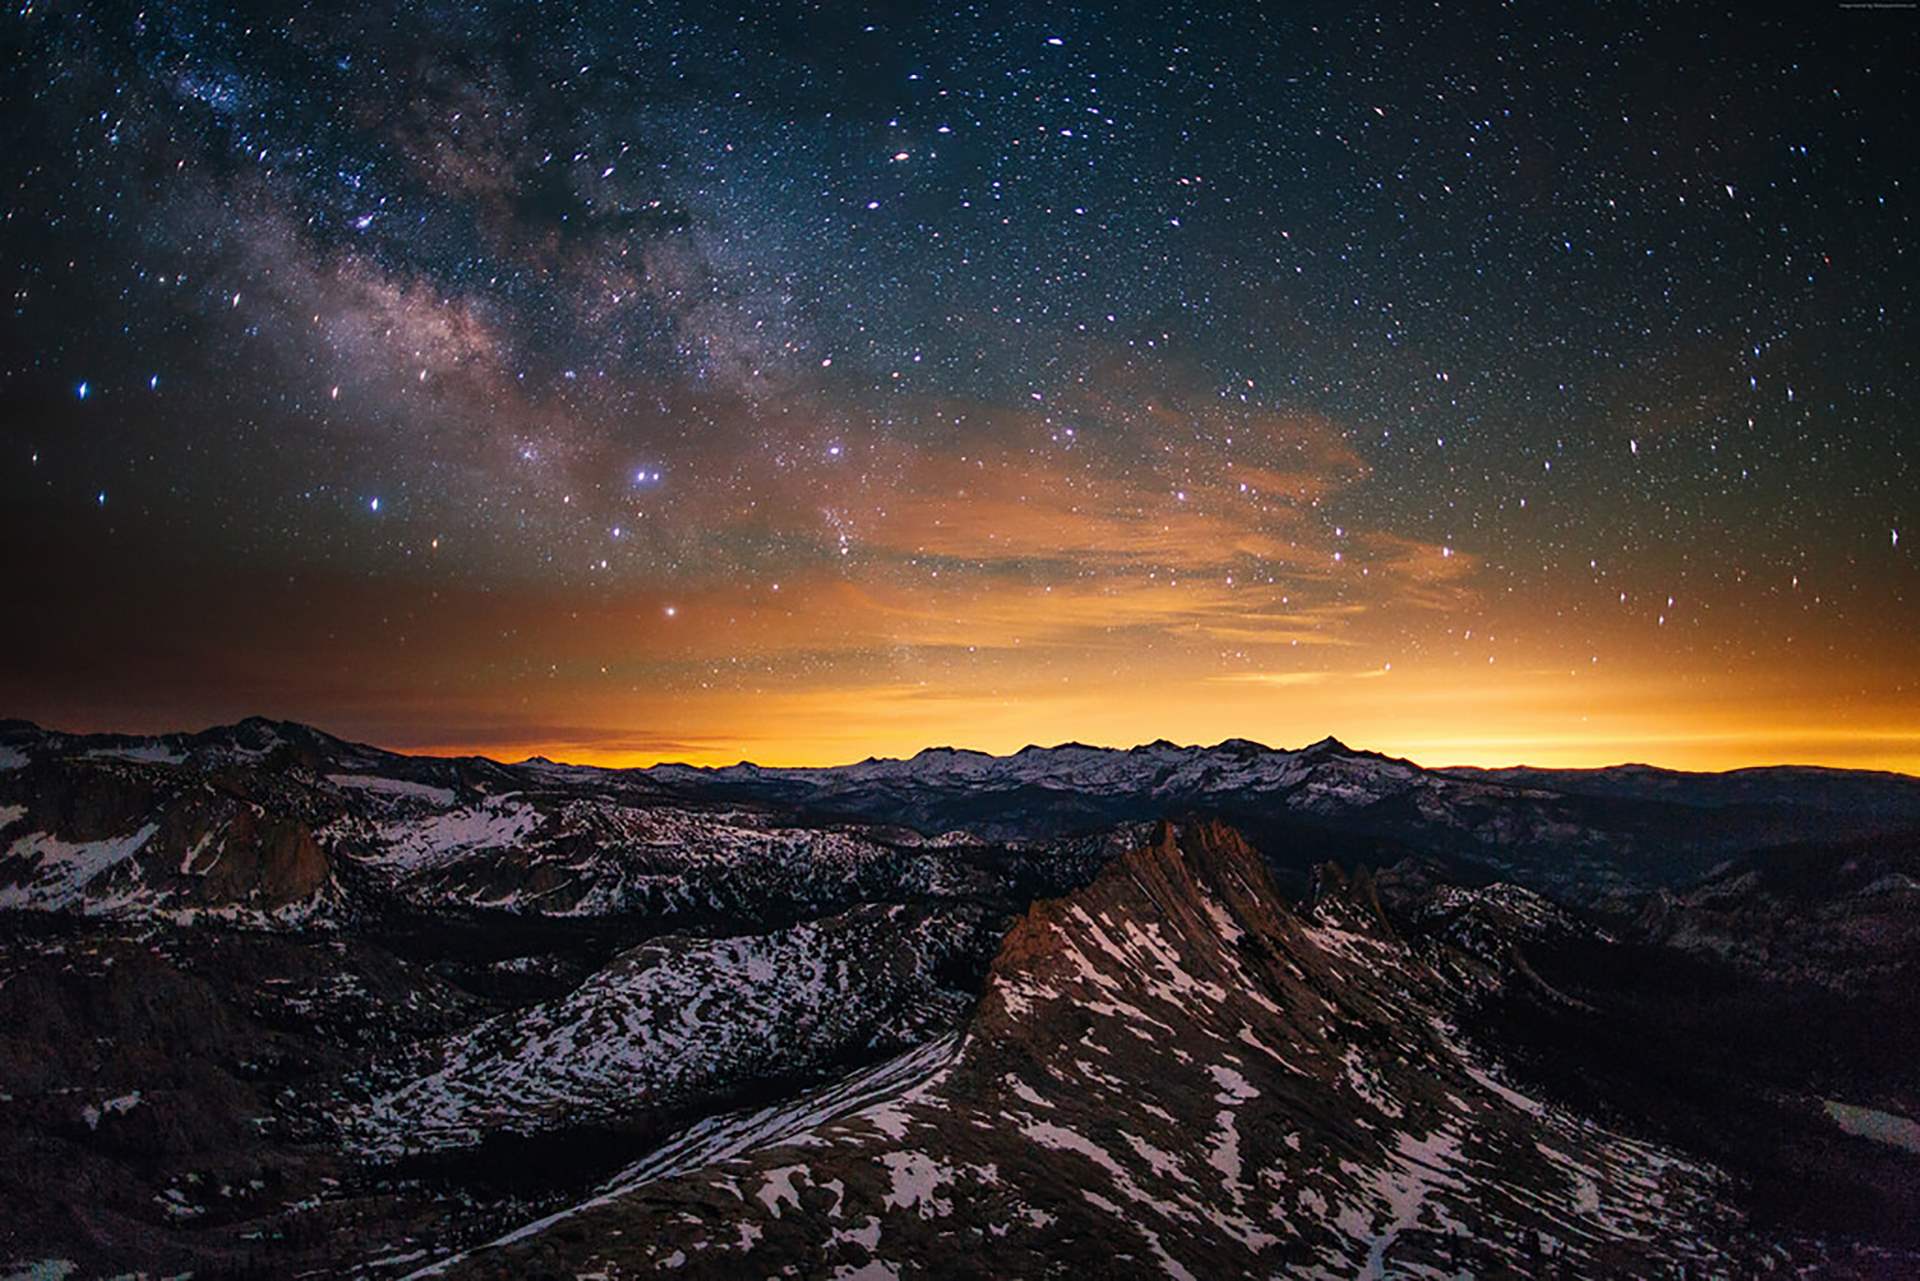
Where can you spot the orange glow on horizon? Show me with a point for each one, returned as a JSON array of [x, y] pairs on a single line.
[[1435, 720], [1002, 587]]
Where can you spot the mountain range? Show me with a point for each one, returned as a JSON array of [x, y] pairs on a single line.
[[273, 1004]]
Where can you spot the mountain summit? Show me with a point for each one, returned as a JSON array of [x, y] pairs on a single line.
[[1173, 1063]]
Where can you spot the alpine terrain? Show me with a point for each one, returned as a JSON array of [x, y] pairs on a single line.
[[273, 1004]]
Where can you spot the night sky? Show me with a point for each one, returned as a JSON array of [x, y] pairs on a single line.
[[637, 381]]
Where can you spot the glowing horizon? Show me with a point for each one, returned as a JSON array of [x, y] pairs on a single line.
[[893, 728], [1895, 762]]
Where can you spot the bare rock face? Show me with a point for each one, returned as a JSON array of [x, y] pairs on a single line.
[[139, 833], [1170, 1074], [273, 863]]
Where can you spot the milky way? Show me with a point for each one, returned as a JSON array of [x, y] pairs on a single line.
[[626, 381]]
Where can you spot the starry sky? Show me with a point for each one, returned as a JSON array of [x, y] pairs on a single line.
[[625, 382]]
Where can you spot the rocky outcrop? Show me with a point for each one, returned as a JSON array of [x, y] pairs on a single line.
[[1171, 1073]]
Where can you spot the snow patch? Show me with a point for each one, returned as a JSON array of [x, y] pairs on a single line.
[[62, 870], [440, 797], [917, 1178], [1871, 1123]]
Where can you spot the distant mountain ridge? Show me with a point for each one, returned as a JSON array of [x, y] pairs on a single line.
[[1074, 762], [1883, 793], [1580, 834]]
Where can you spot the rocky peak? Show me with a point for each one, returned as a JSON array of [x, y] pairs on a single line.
[[1183, 873], [1351, 901], [1170, 1063], [1175, 909]]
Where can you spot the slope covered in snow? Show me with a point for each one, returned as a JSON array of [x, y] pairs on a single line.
[[682, 1024], [1173, 1064]]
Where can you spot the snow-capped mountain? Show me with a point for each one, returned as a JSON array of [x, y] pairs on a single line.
[[1580, 834], [273, 1003], [277, 825], [682, 1026], [1173, 1064], [266, 822]]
